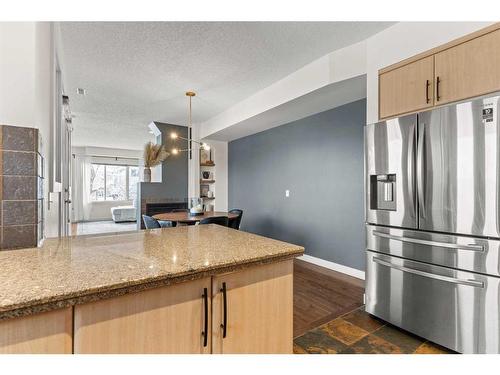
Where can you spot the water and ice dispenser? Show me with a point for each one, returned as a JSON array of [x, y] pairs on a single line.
[[383, 192]]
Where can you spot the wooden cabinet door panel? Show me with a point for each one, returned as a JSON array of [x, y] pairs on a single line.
[[259, 310], [44, 333], [469, 69], [163, 320], [406, 89]]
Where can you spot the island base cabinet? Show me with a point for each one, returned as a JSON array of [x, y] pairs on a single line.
[[168, 319], [44, 333], [258, 309]]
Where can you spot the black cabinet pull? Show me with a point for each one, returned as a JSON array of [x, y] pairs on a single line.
[[224, 302], [437, 88], [427, 84], [205, 323]]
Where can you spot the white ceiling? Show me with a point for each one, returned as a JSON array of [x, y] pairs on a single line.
[[138, 72]]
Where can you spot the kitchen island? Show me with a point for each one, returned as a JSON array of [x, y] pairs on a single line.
[[194, 289]]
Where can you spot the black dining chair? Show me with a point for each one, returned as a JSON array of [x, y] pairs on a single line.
[[152, 223], [235, 222], [219, 220]]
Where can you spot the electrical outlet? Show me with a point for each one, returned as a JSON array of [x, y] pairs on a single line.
[[287, 193]]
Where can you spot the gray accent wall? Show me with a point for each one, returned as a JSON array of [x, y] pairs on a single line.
[[320, 160], [174, 182], [174, 185]]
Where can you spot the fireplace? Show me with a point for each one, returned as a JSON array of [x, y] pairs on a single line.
[[161, 207]]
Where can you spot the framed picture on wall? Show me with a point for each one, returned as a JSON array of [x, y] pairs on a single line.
[[206, 157], [204, 190]]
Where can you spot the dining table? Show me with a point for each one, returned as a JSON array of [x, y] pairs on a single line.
[[186, 218]]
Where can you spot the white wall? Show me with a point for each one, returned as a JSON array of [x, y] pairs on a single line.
[[26, 88], [17, 73], [403, 40], [44, 95]]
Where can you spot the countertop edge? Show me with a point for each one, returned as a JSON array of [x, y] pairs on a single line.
[[141, 285]]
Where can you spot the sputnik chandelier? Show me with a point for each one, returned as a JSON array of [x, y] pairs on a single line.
[[190, 140]]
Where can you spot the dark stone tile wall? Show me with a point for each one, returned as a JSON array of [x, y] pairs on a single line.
[[21, 184]]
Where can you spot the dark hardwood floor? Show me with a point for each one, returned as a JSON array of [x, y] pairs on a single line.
[[321, 295]]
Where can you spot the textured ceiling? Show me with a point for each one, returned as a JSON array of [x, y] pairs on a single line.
[[138, 72]]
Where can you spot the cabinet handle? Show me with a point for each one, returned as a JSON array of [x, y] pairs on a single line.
[[427, 84], [224, 302], [437, 88], [205, 323]]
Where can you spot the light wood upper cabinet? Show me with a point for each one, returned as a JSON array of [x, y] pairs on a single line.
[[469, 69], [45, 333], [407, 88], [259, 310], [461, 69], [169, 319]]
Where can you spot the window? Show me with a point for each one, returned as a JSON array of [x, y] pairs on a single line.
[[113, 182], [133, 179]]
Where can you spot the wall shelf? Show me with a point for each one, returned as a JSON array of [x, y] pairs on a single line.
[[207, 185]]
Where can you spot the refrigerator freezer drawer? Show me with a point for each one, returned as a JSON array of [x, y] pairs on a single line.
[[456, 309], [465, 253]]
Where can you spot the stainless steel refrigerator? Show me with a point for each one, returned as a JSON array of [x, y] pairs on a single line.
[[432, 188]]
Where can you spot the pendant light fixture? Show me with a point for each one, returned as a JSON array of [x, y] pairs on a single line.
[[190, 140]]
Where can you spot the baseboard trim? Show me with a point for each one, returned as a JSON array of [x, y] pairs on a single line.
[[334, 266]]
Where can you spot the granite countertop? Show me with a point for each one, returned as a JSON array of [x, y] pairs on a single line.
[[79, 269]]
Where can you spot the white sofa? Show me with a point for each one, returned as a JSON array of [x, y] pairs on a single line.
[[123, 213]]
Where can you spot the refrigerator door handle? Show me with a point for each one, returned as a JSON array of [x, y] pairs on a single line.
[[474, 283], [411, 171], [420, 169], [469, 247]]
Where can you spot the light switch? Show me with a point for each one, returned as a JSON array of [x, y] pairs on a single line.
[[287, 193]]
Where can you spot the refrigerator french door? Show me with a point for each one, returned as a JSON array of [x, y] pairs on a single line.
[[433, 227], [458, 168], [390, 172]]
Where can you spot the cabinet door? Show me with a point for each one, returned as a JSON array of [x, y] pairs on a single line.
[[259, 308], [169, 319], [468, 69], [408, 88], [45, 333]]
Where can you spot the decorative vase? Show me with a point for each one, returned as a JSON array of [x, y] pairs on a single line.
[[147, 174], [196, 206]]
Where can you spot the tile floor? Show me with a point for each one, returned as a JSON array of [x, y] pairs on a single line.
[[357, 332]]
